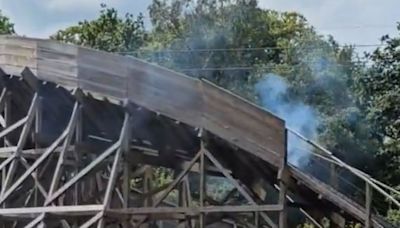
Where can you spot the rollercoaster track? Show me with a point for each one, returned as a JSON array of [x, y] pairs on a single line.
[[242, 141]]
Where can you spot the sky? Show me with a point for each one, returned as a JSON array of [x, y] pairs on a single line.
[[349, 21]]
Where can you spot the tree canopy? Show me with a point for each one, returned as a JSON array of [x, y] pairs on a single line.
[[6, 26], [109, 32], [379, 92]]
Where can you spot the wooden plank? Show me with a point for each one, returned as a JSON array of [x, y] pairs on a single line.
[[82, 210], [164, 91], [243, 124], [16, 53], [193, 211], [331, 195], [368, 203], [244, 193], [13, 127], [57, 62], [83, 172], [92, 220], [102, 72]]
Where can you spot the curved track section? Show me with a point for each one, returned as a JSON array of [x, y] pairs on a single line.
[[85, 133]]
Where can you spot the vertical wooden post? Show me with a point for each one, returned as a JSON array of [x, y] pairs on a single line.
[[282, 201], [147, 180], [257, 219], [147, 199], [283, 178], [38, 121], [7, 115], [6, 124], [36, 133], [78, 139], [368, 202], [202, 185], [126, 184], [183, 202], [126, 189], [7, 119], [191, 222]]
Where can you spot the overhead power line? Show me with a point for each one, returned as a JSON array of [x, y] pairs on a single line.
[[291, 67], [356, 27], [239, 49]]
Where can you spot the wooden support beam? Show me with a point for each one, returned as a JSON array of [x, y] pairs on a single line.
[[38, 121], [126, 178], [203, 187], [147, 188], [92, 220], [238, 187], [37, 185], [126, 184], [67, 134], [282, 202], [368, 203], [304, 212], [13, 127], [3, 98], [5, 105], [7, 116], [43, 157], [113, 175], [185, 200], [283, 179], [194, 211], [3, 166], [84, 171], [172, 185], [27, 212], [21, 143]]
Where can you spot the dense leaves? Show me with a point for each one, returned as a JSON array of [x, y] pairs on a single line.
[[379, 93], [109, 32], [6, 27]]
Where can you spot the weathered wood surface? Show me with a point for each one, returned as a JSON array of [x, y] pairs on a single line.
[[195, 102], [192, 101], [332, 195]]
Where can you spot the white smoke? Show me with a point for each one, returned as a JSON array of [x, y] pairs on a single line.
[[273, 93]]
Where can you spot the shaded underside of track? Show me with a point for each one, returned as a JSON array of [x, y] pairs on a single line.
[[248, 139]]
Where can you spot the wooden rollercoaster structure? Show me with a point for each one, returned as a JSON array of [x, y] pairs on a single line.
[[84, 134]]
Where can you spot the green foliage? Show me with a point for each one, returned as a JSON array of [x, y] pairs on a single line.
[[222, 25], [326, 224], [109, 32], [394, 217], [162, 176], [6, 27], [379, 92]]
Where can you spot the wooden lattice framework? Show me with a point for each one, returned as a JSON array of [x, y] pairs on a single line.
[[87, 136], [51, 186]]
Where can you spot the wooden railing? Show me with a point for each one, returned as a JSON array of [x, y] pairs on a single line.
[[321, 155]]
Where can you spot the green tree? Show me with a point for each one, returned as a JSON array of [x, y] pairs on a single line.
[[210, 32], [108, 32], [6, 26], [379, 92]]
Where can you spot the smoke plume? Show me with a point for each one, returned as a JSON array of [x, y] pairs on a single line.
[[273, 92]]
